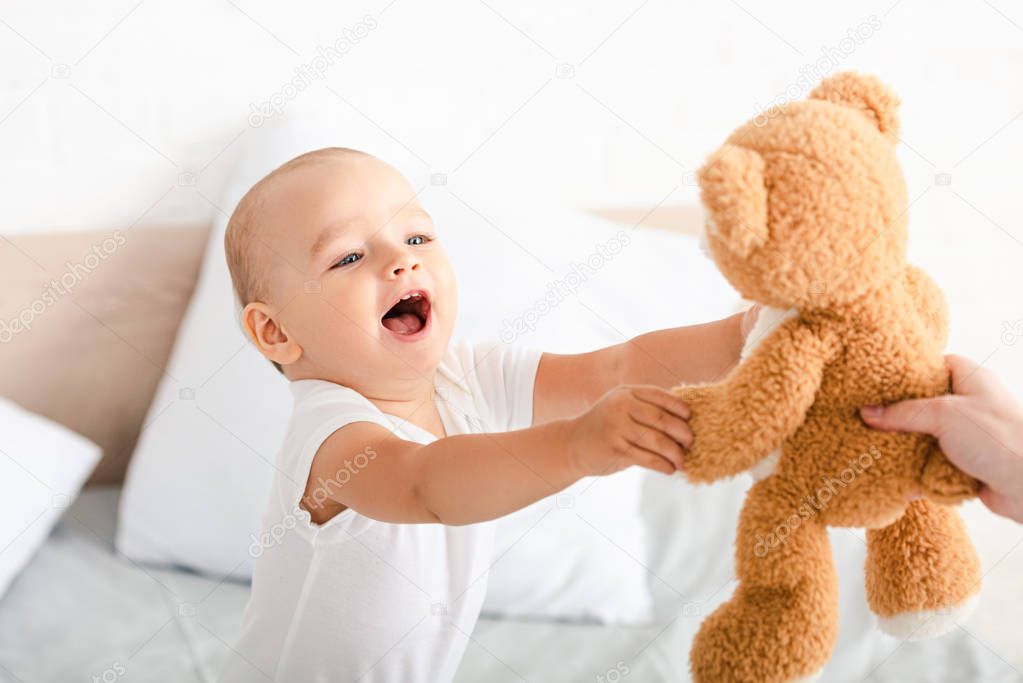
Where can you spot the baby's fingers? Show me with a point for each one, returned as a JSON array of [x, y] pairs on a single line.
[[658, 443], [638, 455], [669, 423], [662, 398]]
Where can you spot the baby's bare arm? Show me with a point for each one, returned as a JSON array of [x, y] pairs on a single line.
[[691, 354], [468, 478], [568, 384], [762, 401], [459, 479]]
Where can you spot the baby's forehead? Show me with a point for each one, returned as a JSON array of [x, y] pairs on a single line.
[[357, 178], [295, 195], [302, 202], [321, 175]]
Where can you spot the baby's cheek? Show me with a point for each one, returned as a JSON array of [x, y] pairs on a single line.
[[446, 287]]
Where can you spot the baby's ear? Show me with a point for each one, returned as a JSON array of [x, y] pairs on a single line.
[[867, 94], [263, 329], [732, 190]]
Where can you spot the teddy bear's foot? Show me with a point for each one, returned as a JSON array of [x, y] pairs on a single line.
[[782, 622], [767, 635], [925, 624], [922, 572]]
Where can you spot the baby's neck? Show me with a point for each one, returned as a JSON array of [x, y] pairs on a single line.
[[417, 407], [412, 400]]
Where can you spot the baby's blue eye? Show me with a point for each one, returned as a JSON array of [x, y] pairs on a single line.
[[352, 257], [345, 259]]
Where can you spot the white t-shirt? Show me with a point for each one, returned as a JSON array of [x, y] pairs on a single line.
[[355, 598]]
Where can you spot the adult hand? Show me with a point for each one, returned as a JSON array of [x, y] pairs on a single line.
[[979, 427]]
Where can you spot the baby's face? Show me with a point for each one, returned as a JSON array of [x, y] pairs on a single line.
[[349, 243]]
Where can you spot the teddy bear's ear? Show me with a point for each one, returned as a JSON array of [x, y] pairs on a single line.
[[732, 190], [866, 93]]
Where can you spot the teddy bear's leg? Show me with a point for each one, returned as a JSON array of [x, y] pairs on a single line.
[[922, 572], [782, 621]]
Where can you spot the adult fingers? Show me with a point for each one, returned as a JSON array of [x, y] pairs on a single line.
[[915, 415], [963, 370]]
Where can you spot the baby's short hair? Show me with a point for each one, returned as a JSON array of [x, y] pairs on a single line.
[[245, 260]]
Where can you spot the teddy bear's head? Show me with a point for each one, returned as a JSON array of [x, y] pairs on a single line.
[[806, 204]]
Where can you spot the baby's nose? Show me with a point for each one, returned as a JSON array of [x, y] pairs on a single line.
[[406, 265], [406, 262]]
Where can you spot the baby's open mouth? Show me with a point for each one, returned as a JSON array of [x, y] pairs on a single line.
[[409, 315]]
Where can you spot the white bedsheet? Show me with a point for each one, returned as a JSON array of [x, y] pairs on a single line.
[[80, 612]]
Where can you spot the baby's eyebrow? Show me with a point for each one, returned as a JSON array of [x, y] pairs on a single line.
[[331, 233], [325, 238]]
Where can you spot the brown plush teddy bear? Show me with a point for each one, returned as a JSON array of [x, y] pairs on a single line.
[[806, 215]]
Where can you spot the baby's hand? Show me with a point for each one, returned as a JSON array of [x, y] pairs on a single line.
[[749, 320], [631, 424]]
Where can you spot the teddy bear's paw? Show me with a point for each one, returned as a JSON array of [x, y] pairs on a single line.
[[925, 624], [943, 482], [711, 456]]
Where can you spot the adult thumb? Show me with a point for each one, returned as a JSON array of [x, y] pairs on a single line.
[[914, 415]]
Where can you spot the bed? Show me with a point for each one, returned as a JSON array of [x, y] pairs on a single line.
[[82, 609]]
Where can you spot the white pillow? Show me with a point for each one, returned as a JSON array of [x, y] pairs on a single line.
[[197, 484], [580, 554], [42, 468]]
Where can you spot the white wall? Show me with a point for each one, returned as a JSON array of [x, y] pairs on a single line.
[[155, 89]]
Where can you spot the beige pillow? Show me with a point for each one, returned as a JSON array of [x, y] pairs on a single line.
[[87, 321]]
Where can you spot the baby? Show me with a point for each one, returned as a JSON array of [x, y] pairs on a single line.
[[403, 444]]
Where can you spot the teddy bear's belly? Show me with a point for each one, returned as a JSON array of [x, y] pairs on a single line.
[[850, 475]]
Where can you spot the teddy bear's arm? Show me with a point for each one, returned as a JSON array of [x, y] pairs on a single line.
[[738, 421], [929, 301]]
